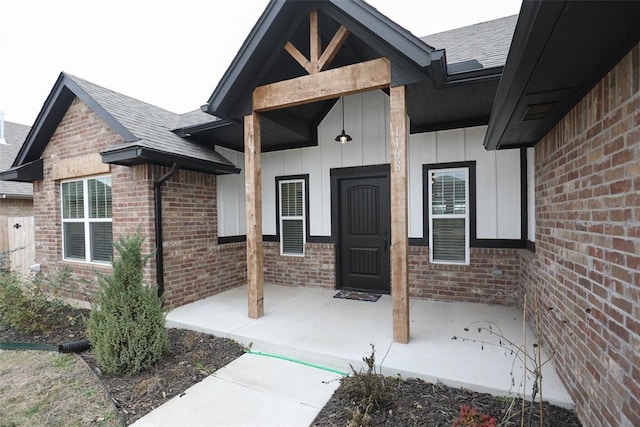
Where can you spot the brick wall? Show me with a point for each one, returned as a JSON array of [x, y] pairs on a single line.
[[472, 283], [316, 268], [81, 132], [231, 261], [16, 207], [193, 266], [466, 283], [586, 269]]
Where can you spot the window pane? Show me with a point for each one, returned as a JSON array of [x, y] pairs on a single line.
[[100, 197], [449, 242], [101, 241], [291, 198], [292, 236], [448, 193], [72, 200], [74, 240]]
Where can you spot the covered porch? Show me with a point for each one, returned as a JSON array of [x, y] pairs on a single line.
[[311, 326]]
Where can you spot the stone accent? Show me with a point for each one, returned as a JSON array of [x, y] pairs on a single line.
[[586, 269]]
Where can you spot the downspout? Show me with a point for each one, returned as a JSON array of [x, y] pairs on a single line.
[[157, 190]]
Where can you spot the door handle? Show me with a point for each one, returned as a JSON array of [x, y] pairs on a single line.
[[385, 242]]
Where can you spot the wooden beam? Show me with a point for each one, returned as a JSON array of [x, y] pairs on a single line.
[[333, 48], [370, 75], [399, 216], [314, 42], [253, 198], [89, 164], [298, 56]]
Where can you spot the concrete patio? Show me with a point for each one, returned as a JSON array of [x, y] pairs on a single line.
[[309, 325]]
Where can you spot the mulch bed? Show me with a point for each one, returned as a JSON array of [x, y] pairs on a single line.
[[195, 355]]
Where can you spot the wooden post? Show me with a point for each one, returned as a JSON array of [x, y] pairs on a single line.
[[399, 216], [253, 190]]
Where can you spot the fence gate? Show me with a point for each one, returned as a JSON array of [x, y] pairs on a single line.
[[22, 248]]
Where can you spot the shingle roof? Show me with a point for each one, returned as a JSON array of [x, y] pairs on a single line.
[[151, 124], [14, 135], [194, 118], [487, 42]]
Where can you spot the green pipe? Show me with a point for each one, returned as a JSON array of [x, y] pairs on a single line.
[[301, 362], [27, 346]]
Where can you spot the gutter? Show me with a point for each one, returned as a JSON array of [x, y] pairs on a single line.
[[157, 190]]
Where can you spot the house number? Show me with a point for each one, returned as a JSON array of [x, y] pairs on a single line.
[[396, 153]]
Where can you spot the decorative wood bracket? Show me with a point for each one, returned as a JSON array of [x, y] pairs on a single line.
[[318, 61]]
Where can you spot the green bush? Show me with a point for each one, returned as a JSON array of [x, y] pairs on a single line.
[[30, 306], [127, 326]]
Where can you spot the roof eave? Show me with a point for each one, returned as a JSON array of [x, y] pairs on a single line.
[[28, 172], [130, 156]]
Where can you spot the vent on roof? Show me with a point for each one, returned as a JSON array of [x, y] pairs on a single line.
[[2, 140], [537, 112]]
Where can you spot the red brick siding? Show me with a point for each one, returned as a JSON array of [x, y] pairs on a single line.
[[466, 283], [586, 266], [231, 261], [194, 266], [80, 132], [190, 227], [315, 268], [16, 207], [472, 283]]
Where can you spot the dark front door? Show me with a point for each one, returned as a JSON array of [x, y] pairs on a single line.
[[363, 233]]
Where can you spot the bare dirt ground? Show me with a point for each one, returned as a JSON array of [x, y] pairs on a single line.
[[194, 355]]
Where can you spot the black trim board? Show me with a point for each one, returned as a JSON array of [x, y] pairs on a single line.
[[272, 238], [471, 165], [305, 178]]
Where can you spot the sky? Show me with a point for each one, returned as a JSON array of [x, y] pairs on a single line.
[[165, 52]]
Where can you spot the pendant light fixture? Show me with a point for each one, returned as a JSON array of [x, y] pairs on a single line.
[[343, 138]]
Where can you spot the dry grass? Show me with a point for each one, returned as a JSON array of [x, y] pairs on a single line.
[[44, 388]]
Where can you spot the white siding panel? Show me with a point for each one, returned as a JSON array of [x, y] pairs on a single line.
[[531, 194], [422, 151], [375, 129], [272, 166], [291, 162], [351, 152], [231, 203], [330, 156], [486, 197], [312, 166], [450, 146], [508, 191]]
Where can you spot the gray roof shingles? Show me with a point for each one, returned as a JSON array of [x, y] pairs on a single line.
[[487, 42], [14, 135], [151, 124]]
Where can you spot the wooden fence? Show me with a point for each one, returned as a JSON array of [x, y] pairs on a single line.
[[17, 239]]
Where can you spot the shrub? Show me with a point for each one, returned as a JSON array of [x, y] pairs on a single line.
[[30, 306], [471, 417], [369, 389], [127, 327]]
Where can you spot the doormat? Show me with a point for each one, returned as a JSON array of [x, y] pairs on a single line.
[[359, 296]]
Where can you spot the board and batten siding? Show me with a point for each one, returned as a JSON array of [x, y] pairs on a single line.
[[367, 121]]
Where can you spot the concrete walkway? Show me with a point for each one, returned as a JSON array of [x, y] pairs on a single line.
[[308, 324], [252, 390]]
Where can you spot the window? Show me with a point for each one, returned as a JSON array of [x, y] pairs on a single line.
[[86, 220], [449, 215], [292, 216]]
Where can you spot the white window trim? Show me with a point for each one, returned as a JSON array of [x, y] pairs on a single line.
[[86, 220], [466, 216], [293, 217]]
